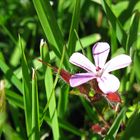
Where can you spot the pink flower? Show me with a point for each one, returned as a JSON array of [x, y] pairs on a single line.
[[107, 82]]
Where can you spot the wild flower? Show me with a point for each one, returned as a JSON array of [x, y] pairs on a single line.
[[107, 82]]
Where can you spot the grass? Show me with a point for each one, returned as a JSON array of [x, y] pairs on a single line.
[[35, 102]]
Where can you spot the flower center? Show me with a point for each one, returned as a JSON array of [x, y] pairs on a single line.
[[98, 71]]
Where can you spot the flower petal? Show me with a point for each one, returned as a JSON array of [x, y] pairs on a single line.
[[81, 61], [100, 52], [117, 62], [108, 83], [81, 78]]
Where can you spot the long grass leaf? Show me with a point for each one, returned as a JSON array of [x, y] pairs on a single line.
[[116, 124], [74, 26], [50, 26], [51, 104], [63, 101], [14, 98], [26, 91], [10, 76], [115, 23], [35, 108], [133, 32]]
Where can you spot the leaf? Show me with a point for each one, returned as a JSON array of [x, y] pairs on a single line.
[[50, 93], [26, 91], [50, 26], [74, 26], [132, 127], [10, 76], [14, 98], [133, 31], [115, 23], [35, 108], [116, 124], [63, 100], [137, 64]]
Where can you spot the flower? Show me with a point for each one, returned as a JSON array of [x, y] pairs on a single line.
[[108, 83]]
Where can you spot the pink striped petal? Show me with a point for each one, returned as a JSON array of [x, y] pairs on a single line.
[[117, 62], [81, 78], [100, 52], [108, 83], [81, 61]]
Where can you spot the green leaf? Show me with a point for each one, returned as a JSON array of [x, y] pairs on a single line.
[[74, 26], [10, 76], [133, 32], [132, 127], [50, 26], [14, 98], [116, 124], [26, 91], [87, 41], [115, 23], [137, 64], [50, 93], [63, 100], [35, 108]]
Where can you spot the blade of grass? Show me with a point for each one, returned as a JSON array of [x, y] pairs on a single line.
[[115, 23], [50, 26], [10, 76], [26, 91], [116, 124], [82, 48], [14, 98], [51, 104], [133, 32], [35, 108], [63, 101], [85, 41], [132, 127], [74, 26]]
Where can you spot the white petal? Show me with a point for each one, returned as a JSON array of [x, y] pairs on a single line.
[[81, 78], [81, 61], [100, 52], [108, 83], [117, 62]]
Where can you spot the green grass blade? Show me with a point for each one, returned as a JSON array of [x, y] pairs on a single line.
[[132, 127], [10, 75], [14, 98], [26, 91], [137, 65], [51, 104], [87, 41], [133, 32], [50, 93], [50, 26], [74, 26], [116, 25], [35, 108], [116, 124], [63, 101]]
